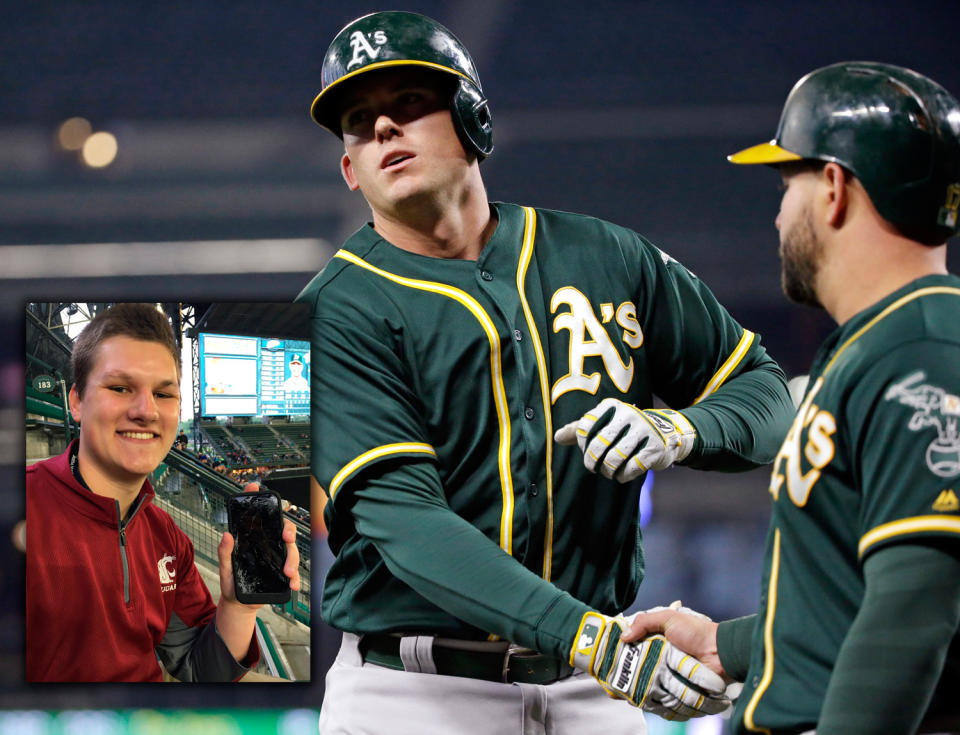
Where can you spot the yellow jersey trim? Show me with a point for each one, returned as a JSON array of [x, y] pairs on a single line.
[[736, 357], [496, 380], [886, 312], [767, 640], [526, 253], [917, 524], [377, 453]]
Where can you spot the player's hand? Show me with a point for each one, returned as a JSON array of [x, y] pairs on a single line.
[[649, 673], [291, 566], [624, 442], [668, 702], [687, 630]]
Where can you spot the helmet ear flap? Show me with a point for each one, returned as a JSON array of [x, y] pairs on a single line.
[[472, 118]]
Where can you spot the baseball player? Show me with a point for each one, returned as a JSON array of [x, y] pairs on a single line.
[[479, 568], [862, 570]]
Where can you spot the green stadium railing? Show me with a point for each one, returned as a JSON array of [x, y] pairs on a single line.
[[203, 517]]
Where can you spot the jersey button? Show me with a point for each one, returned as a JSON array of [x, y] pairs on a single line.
[[533, 489], [517, 335], [486, 275], [529, 413]]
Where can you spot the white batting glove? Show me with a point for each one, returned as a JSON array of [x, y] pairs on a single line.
[[625, 442], [650, 673], [685, 689], [674, 696]]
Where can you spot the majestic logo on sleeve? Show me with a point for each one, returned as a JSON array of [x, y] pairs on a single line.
[[946, 502], [167, 572], [589, 338], [817, 426], [933, 407], [361, 46]]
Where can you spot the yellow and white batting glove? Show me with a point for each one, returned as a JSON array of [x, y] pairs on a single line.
[[623, 441], [677, 697], [686, 688], [650, 673]]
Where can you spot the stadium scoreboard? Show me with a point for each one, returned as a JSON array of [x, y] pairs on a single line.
[[253, 376]]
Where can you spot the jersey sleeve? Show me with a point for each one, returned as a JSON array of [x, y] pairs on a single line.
[[734, 642], [454, 565], [903, 418], [364, 410], [888, 688], [707, 365]]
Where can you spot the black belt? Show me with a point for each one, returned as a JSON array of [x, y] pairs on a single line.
[[526, 667]]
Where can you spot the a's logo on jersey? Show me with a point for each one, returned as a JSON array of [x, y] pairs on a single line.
[[167, 572], [946, 502], [818, 427], [937, 408], [361, 46], [589, 338]]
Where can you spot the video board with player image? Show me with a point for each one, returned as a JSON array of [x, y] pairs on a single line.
[[253, 376]]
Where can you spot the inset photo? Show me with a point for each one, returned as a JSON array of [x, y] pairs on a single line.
[[168, 492]]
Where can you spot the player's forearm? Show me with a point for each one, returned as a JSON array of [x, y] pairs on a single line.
[[743, 423], [457, 568], [893, 655]]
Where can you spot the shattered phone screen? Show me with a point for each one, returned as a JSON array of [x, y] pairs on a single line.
[[256, 522]]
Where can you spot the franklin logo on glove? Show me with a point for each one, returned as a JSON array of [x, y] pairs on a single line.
[[627, 670]]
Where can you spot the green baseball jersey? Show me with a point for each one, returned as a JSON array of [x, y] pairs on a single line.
[[872, 458], [448, 377]]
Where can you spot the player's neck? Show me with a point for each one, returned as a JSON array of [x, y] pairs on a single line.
[[123, 490], [457, 227], [872, 266]]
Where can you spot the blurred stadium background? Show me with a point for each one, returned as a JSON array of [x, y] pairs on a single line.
[[164, 151]]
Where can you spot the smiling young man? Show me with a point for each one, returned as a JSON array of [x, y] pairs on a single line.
[[478, 566], [112, 589]]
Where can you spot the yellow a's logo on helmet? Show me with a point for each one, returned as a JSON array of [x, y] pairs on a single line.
[[361, 46], [948, 212]]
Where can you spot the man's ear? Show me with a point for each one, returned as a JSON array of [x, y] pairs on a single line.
[[346, 168], [74, 399], [838, 195]]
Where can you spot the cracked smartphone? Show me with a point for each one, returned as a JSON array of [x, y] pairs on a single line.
[[256, 523]]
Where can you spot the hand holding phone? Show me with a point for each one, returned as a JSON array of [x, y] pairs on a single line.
[[259, 552]]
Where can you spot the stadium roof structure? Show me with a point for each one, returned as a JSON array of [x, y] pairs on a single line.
[[254, 319]]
